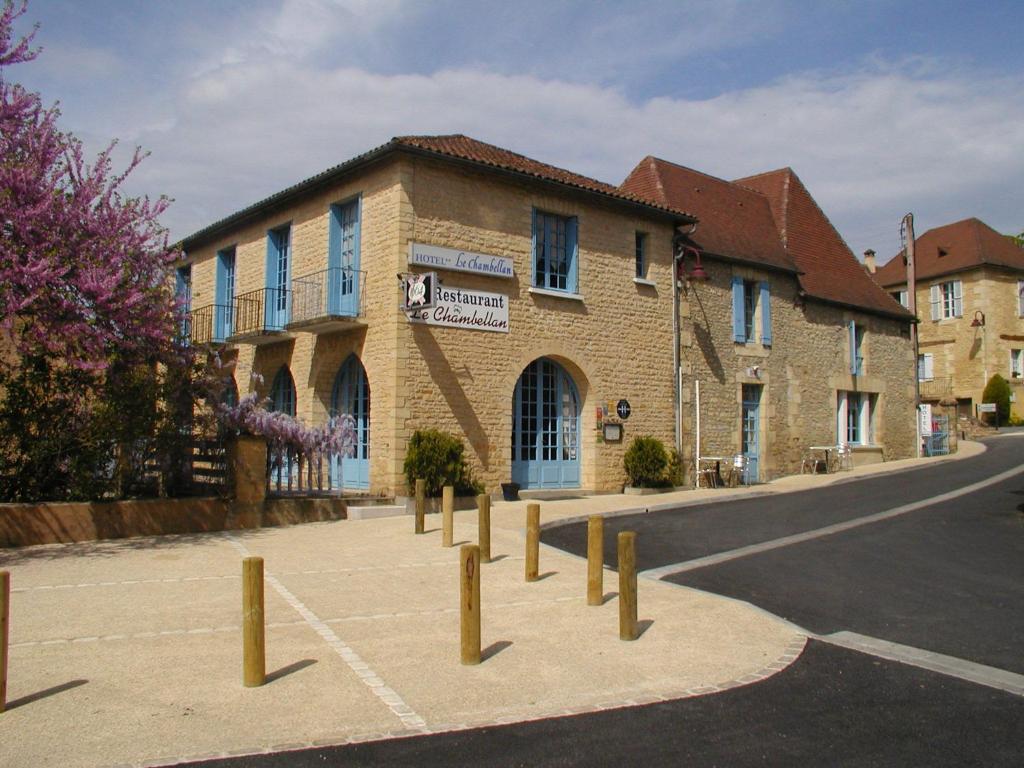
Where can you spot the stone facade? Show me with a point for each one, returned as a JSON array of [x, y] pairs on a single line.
[[965, 356], [613, 336], [800, 373]]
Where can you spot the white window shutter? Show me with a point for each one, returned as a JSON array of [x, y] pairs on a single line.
[[936, 301], [958, 298]]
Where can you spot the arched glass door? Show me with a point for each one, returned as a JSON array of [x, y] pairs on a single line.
[[282, 399], [351, 396], [545, 428]]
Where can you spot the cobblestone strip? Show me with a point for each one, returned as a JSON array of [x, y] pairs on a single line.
[[387, 695]]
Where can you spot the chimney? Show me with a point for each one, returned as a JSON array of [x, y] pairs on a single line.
[[869, 261]]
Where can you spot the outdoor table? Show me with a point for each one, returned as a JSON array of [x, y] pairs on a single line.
[[717, 461], [827, 451]]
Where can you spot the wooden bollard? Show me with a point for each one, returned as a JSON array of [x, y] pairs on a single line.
[[254, 661], [627, 585], [421, 504], [448, 513], [595, 560], [469, 562], [532, 541], [5, 630], [483, 505]]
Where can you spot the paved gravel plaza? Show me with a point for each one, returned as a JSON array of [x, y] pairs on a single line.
[[130, 651]]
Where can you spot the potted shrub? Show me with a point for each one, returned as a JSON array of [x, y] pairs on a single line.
[[439, 459], [646, 463]]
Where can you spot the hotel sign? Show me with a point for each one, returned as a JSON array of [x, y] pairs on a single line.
[[436, 257], [463, 308]]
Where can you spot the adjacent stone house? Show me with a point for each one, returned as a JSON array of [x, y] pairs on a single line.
[[970, 302], [554, 335], [790, 341]]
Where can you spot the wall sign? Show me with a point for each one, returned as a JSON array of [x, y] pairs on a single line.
[[622, 408], [463, 308], [419, 291], [436, 257]]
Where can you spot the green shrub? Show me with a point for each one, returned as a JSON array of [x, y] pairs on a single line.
[[675, 468], [438, 458], [997, 391], [646, 462]]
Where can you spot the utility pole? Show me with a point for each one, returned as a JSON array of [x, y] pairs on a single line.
[[907, 235]]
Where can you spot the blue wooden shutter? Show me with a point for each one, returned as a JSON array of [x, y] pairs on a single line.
[[572, 253], [269, 307], [533, 250], [739, 332], [853, 347], [766, 315], [334, 238]]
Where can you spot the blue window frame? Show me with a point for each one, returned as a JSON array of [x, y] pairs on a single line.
[[282, 392], [183, 292], [278, 276], [750, 298], [641, 255], [555, 252], [224, 294]]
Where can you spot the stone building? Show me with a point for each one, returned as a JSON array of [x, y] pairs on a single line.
[[551, 342], [791, 342], [970, 302]]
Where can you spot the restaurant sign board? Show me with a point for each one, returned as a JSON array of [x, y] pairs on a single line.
[[463, 308]]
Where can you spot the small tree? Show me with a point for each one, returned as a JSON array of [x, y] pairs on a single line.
[[997, 391], [439, 459], [646, 462]]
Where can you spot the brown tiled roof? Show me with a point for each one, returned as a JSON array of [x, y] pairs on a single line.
[[734, 222], [953, 248], [830, 271], [455, 146], [466, 148]]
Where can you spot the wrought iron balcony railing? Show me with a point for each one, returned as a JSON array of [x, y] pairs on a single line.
[[263, 311], [323, 298], [211, 324]]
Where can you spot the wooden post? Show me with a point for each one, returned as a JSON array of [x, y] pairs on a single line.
[[483, 505], [448, 512], [421, 503], [532, 541], [254, 663], [5, 629], [595, 560], [469, 562], [627, 585]]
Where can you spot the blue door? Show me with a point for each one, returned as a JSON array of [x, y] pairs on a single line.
[[352, 396], [343, 261], [751, 430], [545, 428], [278, 276], [224, 300], [282, 399]]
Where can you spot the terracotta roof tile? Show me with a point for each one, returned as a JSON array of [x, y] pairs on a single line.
[[954, 248], [829, 269], [734, 222], [466, 148]]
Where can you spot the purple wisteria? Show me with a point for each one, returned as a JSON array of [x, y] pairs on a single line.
[[284, 433]]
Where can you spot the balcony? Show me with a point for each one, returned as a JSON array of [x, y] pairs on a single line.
[[260, 317], [936, 389], [327, 301], [211, 324]]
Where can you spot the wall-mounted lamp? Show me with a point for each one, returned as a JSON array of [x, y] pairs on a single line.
[[979, 319], [697, 273]]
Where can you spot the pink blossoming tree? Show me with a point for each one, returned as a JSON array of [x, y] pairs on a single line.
[[87, 308]]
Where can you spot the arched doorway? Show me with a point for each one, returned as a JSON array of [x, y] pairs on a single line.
[[282, 400], [545, 427], [351, 396]]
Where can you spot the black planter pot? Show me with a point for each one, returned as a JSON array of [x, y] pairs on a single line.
[[510, 491]]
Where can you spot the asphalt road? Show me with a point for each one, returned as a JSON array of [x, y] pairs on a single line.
[[831, 707], [948, 578]]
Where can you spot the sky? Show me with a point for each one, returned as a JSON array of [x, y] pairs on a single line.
[[881, 108]]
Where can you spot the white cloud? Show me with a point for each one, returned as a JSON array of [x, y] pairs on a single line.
[[870, 144]]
